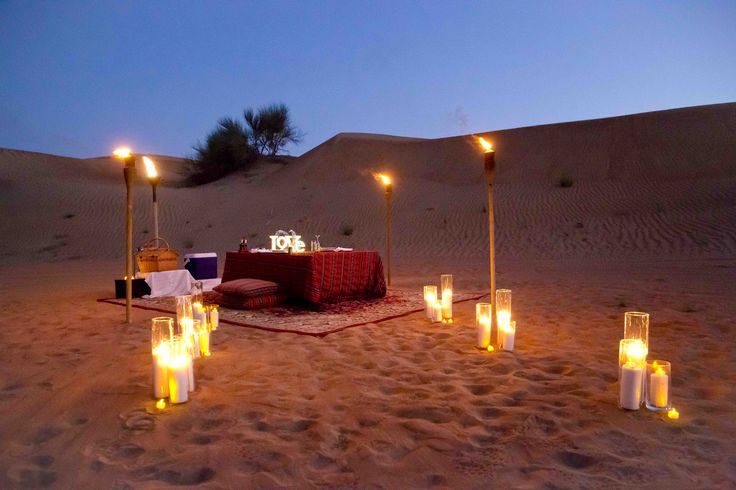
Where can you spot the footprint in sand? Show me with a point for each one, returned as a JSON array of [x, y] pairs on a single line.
[[576, 460], [138, 420]]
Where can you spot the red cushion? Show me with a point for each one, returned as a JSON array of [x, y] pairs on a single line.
[[248, 288], [251, 303]]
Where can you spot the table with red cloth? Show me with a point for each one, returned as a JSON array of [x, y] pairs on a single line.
[[315, 277]]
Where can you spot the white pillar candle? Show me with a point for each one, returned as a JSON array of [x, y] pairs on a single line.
[[503, 317], [179, 378], [447, 304], [160, 371], [436, 312], [631, 382], [484, 332], [507, 335], [659, 388]]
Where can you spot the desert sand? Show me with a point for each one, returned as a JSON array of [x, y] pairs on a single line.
[[648, 224]]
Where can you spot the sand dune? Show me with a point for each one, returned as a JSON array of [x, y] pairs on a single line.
[[648, 224]]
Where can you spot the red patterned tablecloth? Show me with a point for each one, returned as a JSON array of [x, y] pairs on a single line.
[[319, 277]]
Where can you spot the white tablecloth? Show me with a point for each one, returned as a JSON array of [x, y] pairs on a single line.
[[173, 283]]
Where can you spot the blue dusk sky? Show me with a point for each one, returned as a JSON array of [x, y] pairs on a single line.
[[79, 77]]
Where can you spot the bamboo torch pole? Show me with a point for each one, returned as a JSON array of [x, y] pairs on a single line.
[[489, 164], [129, 174], [389, 193]]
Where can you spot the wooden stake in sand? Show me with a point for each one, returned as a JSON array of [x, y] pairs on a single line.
[[389, 193], [129, 174], [489, 163]]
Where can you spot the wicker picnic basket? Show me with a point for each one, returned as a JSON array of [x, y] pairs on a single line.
[[154, 258]]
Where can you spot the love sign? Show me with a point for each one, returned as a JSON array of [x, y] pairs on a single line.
[[287, 242]]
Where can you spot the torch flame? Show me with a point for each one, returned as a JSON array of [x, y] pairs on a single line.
[[122, 153], [150, 167], [383, 178], [487, 146]]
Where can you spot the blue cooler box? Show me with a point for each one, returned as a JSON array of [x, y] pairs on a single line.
[[201, 266]]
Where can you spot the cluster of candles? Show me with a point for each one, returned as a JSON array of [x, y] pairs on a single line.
[[174, 353], [439, 309], [642, 381], [505, 327]]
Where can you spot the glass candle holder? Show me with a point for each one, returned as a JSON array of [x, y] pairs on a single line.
[[430, 297], [632, 356], [446, 288], [483, 316], [203, 337], [213, 313], [183, 309], [178, 371], [436, 312], [658, 386], [636, 326], [192, 338], [507, 335], [162, 330], [199, 312], [503, 309], [198, 292]]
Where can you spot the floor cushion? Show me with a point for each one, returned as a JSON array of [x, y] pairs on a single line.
[[249, 288], [250, 302]]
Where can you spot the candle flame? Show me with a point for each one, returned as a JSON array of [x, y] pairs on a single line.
[[385, 179], [660, 371], [161, 404], [490, 348], [487, 146], [122, 152], [673, 413], [636, 351], [150, 167]]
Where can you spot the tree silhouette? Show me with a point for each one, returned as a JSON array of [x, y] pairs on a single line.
[[270, 129]]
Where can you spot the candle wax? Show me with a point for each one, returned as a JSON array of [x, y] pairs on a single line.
[[179, 378], [160, 371], [659, 388], [484, 332], [631, 382]]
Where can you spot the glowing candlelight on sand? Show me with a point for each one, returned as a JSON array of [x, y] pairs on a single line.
[[430, 297], [659, 381], [673, 414], [436, 312], [446, 288], [161, 333], [161, 404], [503, 312], [632, 359], [214, 317], [128, 159], [483, 325], [388, 184], [507, 335], [179, 367]]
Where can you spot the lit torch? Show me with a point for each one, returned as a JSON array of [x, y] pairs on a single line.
[[154, 179], [386, 181], [489, 164], [128, 159]]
